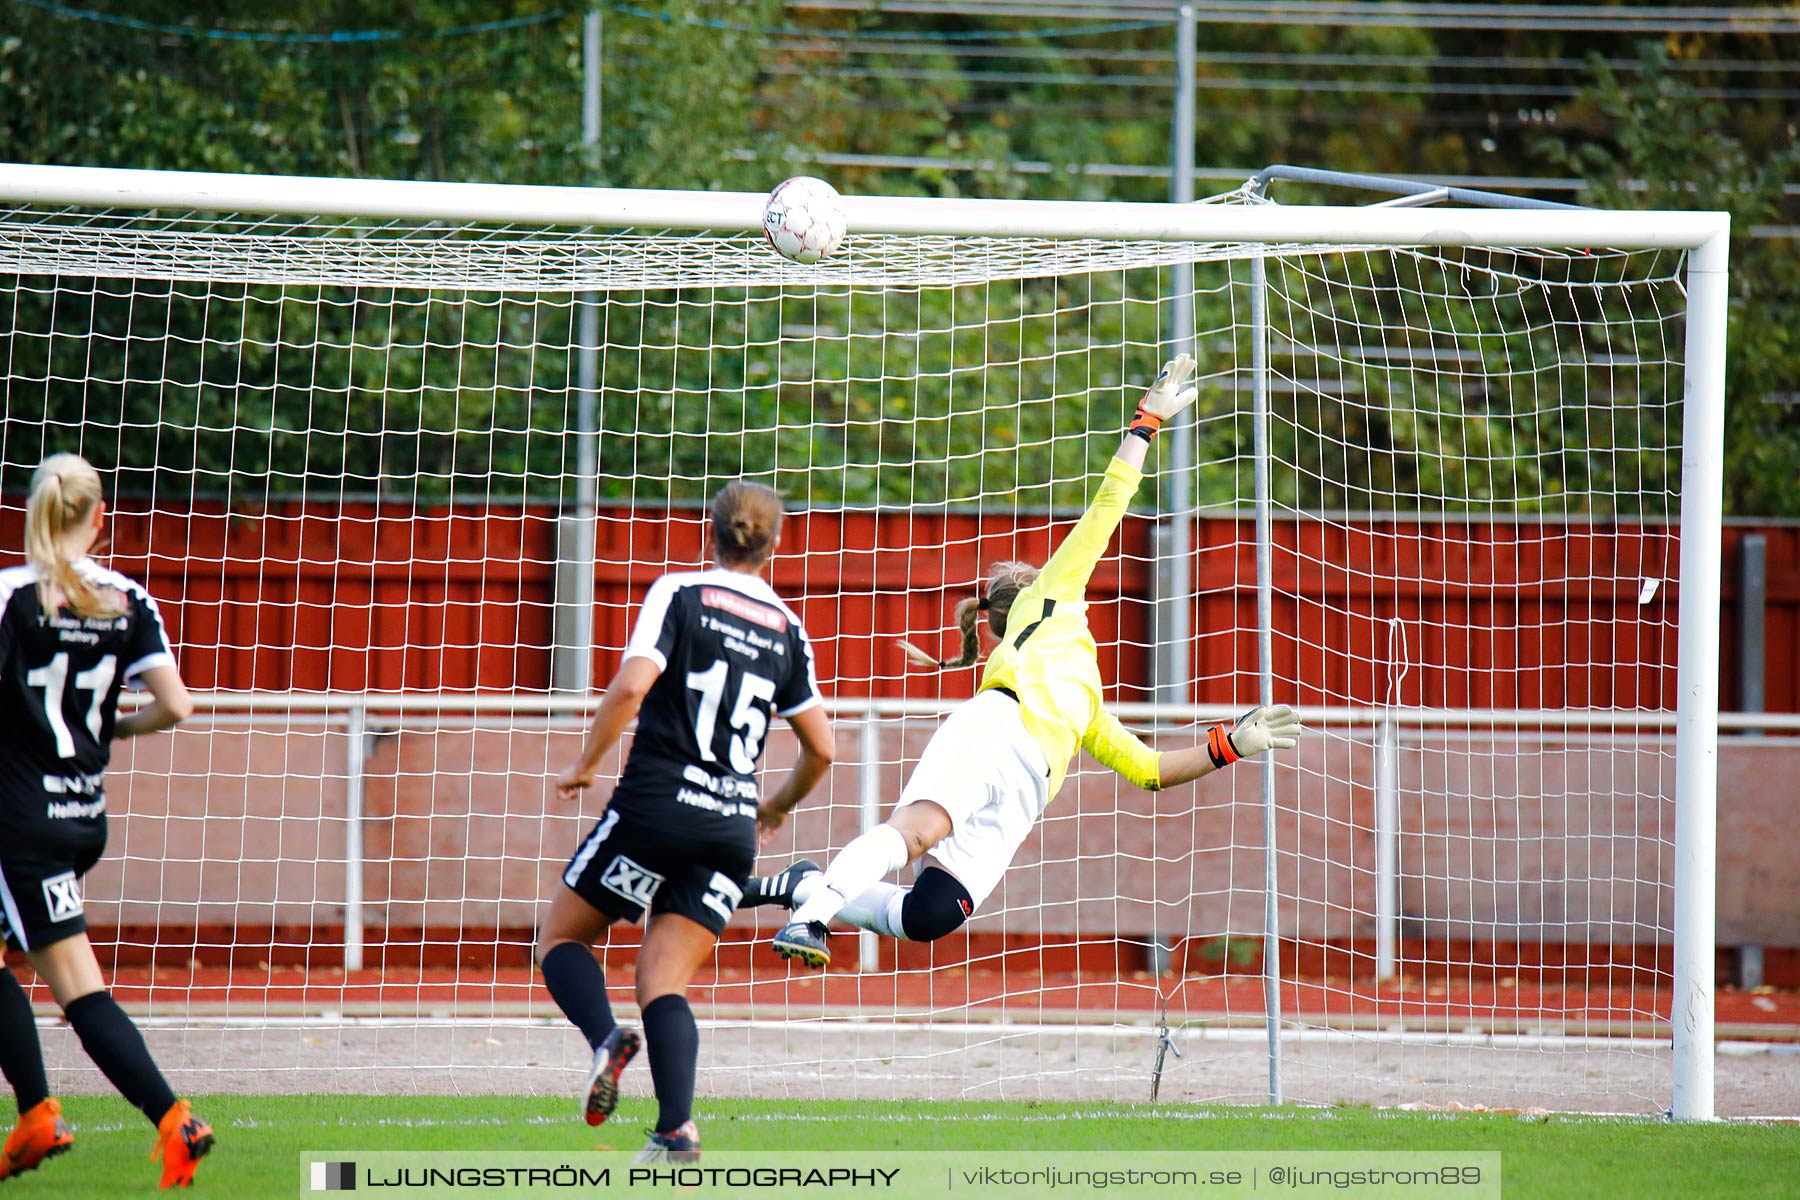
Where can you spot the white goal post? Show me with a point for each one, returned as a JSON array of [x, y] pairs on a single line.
[[933, 396]]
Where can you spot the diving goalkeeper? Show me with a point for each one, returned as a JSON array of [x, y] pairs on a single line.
[[997, 761]]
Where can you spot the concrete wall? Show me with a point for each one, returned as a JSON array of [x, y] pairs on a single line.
[[1530, 838]]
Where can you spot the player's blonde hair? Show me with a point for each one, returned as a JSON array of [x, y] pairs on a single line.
[[1005, 580], [746, 524], [64, 491]]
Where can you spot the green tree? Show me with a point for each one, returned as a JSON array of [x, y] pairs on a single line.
[[262, 391], [441, 393], [1669, 147]]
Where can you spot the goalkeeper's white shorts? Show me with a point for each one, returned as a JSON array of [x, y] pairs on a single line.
[[987, 772]]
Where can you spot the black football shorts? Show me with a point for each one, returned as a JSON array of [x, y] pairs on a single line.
[[40, 895], [692, 865]]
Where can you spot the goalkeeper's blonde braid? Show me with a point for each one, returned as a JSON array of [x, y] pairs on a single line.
[[1004, 583]]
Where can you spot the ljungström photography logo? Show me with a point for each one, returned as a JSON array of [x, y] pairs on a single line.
[[334, 1177]]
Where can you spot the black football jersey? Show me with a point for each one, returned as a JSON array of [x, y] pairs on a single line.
[[60, 679], [731, 655]]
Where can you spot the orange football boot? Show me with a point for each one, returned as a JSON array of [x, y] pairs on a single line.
[[41, 1133], [182, 1140]]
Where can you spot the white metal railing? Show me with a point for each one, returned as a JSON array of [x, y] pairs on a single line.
[[547, 704]]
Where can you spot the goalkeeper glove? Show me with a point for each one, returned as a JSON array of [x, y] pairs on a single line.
[[1171, 393], [1274, 727]]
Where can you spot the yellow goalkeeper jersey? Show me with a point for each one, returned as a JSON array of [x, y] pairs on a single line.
[[1048, 658]]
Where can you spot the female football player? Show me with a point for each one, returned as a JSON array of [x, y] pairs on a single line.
[[713, 654], [992, 767], [72, 634]]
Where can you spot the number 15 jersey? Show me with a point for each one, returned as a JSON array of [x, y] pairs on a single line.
[[60, 678], [731, 654]]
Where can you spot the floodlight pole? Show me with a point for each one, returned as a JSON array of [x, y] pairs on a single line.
[[1172, 650], [574, 653]]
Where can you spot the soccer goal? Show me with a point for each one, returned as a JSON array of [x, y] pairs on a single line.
[[399, 460]]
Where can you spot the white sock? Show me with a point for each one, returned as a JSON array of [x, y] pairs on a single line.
[[806, 887], [877, 910], [863, 862]]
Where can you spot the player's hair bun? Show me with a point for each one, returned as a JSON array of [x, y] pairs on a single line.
[[746, 523]]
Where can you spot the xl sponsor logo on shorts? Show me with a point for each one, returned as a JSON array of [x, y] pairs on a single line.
[[62, 896], [631, 881]]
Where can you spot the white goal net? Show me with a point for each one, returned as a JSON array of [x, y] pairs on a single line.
[[374, 470]]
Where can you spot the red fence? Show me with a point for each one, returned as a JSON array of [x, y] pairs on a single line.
[[1493, 614]]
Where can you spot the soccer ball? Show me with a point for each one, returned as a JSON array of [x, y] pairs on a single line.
[[804, 219]]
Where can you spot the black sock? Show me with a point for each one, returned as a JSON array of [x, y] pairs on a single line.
[[118, 1049], [761, 889], [21, 1054], [674, 1042], [777, 888], [578, 986]]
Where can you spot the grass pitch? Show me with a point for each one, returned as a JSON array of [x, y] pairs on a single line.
[[261, 1139]]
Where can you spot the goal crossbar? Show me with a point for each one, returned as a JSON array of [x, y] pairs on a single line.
[[738, 211]]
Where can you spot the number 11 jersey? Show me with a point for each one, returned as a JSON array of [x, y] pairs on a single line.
[[60, 678]]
